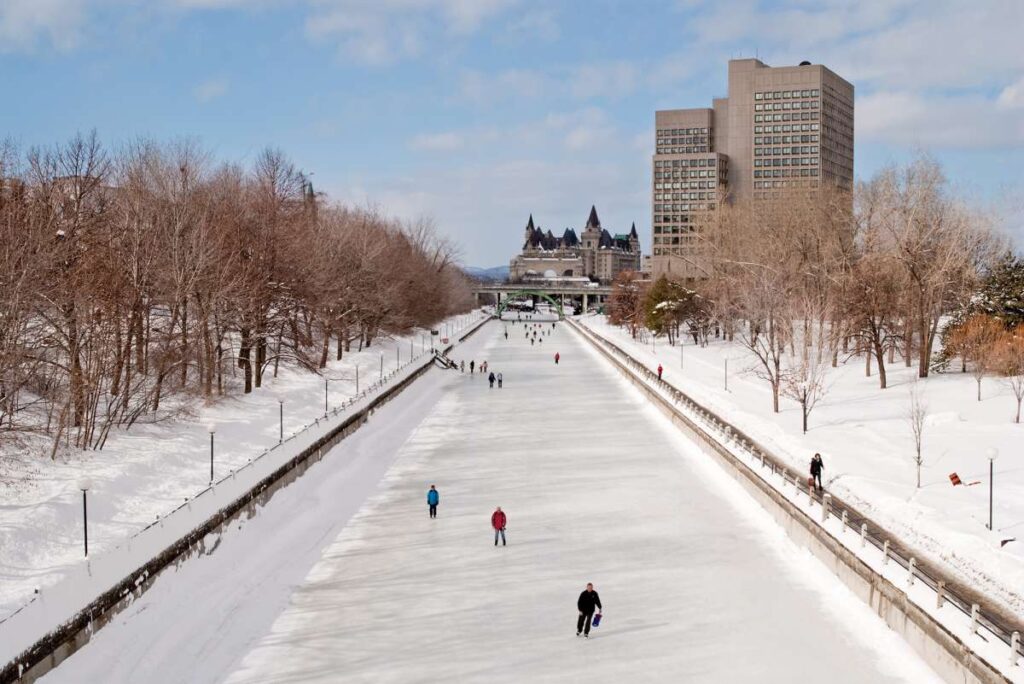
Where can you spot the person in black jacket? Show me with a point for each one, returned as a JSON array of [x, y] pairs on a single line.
[[817, 465], [586, 603]]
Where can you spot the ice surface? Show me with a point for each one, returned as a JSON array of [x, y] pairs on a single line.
[[697, 584], [863, 434]]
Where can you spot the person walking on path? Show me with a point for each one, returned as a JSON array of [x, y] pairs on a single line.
[[499, 380], [433, 498], [660, 369], [498, 522], [557, 357], [491, 379], [472, 365], [586, 603], [817, 465]]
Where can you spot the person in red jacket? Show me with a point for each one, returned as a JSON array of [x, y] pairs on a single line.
[[557, 356], [659, 371], [498, 521]]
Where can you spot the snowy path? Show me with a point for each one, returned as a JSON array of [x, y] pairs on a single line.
[[697, 585]]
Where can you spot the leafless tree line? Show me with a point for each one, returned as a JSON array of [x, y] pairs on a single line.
[[129, 275], [816, 275], [812, 277]]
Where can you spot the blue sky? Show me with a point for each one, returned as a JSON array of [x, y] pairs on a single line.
[[479, 112]]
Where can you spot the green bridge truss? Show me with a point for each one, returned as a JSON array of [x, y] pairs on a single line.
[[520, 295]]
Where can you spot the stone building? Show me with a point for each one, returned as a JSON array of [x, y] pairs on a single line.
[[593, 255]]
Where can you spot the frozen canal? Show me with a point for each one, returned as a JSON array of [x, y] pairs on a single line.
[[697, 585]]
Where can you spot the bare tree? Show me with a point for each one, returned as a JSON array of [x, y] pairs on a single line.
[[1008, 360], [917, 414], [976, 341], [804, 382]]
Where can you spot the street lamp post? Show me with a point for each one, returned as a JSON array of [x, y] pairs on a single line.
[[280, 419], [326, 409], [85, 484], [992, 454], [211, 428]]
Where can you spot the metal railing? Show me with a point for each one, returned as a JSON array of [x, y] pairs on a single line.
[[947, 589]]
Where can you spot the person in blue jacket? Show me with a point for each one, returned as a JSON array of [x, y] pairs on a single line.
[[433, 498]]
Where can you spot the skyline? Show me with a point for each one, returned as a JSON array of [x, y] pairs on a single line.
[[481, 113]]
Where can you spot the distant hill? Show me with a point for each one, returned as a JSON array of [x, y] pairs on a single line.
[[499, 273]]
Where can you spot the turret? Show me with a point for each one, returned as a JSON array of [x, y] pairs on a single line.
[[529, 232]]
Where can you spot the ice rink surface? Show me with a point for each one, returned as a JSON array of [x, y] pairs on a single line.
[[698, 586]]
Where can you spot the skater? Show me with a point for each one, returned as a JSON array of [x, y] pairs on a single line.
[[472, 364], [499, 380], [433, 498], [586, 603], [462, 366], [491, 379], [498, 522], [817, 465], [660, 369], [532, 341], [506, 334], [557, 356]]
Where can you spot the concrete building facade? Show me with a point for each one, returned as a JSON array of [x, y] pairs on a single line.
[[593, 255], [779, 127]]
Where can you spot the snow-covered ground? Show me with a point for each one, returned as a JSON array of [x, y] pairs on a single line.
[[697, 584], [865, 439], [149, 470]]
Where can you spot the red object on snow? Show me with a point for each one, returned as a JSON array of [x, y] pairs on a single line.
[[955, 479], [498, 520]]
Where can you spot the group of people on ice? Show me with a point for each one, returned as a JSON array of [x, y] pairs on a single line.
[[588, 601], [492, 377]]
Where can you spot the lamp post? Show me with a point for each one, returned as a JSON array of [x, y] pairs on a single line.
[[357, 378], [326, 409], [992, 454], [280, 415], [211, 428], [85, 484]]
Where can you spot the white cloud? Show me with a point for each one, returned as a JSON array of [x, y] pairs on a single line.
[[437, 142], [24, 24], [942, 121], [210, 90], [883, 44], [583, 130], [510, 84], [610, 80], [1012, 96], [381, 32], [535, 25]]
